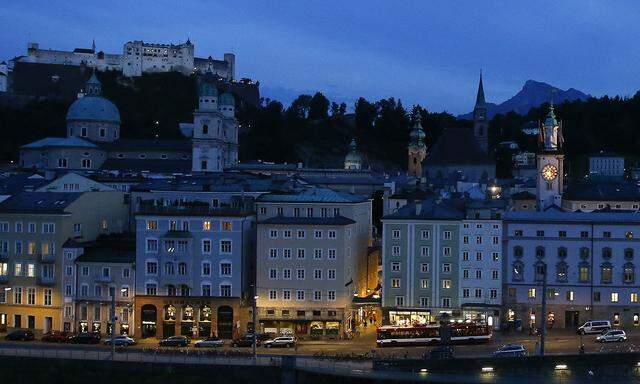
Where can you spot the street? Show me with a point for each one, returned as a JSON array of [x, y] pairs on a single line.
[[557, 342]]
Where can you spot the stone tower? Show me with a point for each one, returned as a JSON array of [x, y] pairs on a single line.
[[480, 123], [417, 149], [215, 128], [550, 160], [353, 159]]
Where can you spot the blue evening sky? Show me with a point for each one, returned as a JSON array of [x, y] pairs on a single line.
[[427, 52]]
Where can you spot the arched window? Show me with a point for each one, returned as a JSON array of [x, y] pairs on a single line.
[[540, 252], [606, 273], [171, 290], [205, 129], [562, 252], [169, 313], [628, 273], [518, 271], [584, 273], [584, 253], [540, 270], [561, 272], [518, 251], [182, 269], [187, 313], [606, 253], [184, 290], [628, 254]]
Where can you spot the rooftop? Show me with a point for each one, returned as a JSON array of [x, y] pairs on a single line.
[[148, 144], [39, 202], [312, 195], [148, 165], [430, 209], [457, 145], [558, 215], [72, 141], [602, 191]]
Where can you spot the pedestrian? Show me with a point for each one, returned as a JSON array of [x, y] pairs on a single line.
[[295, 347]]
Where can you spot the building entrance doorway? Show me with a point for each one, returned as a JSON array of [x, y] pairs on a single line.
[[48, 324], [148, 314], [225, 322], [571, 319]]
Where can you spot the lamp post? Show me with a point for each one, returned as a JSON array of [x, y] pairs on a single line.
[[255, 328], [112, 291], [543, 319]]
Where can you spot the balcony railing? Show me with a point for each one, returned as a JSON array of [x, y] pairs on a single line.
[[103, 279], [46, 280], [47, 257]]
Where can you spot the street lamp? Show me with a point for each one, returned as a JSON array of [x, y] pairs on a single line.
[[255, 328]]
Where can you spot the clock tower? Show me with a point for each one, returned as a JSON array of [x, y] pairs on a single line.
[[417, 149], [550, 162]]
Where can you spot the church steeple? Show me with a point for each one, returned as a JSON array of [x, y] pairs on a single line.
[[93, 86], [480, 102], [480, 124], [417, 149], [550, 162]]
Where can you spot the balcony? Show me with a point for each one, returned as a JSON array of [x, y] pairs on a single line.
[[46, 281], [46, 257], [103, 279]]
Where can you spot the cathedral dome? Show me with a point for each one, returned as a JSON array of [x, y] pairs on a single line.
[[227, 99], [93, 108]]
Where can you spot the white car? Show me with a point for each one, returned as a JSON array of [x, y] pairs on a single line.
[[121, 340], [209, 342], [612, 335], [283, 341], [596, 326]]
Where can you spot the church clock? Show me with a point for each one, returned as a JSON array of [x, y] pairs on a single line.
[[549, 172]]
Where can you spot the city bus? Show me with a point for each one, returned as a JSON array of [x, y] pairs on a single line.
[[430, 334]]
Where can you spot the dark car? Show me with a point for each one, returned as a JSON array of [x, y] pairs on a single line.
[[86, 338], [441, 353], [56, 337], [20, 335], [245, 341], [175, 341]]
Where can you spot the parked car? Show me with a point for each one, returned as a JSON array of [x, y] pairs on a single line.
[[511, 350], [56, 337], [596, 326], [121, 340], [282, 341], [86, 338], [20, 335], [245, 341], [612, 335], [209, 342], [443, 352], [175, 341]]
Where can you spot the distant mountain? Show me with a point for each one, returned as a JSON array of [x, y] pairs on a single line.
[[532, 94]]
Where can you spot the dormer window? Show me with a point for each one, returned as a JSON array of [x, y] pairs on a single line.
[[103, 132], [83, 132]]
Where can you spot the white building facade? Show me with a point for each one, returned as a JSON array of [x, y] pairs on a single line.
[[590, 261]]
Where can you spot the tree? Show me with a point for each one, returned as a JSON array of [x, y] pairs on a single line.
[[318, 107]]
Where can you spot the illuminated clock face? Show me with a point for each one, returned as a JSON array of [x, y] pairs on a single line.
[[549, 172]]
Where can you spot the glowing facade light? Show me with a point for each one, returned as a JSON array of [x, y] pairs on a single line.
[[561, 366], [487, 369]]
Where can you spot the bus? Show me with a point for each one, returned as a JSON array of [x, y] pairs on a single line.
[[430, 334]]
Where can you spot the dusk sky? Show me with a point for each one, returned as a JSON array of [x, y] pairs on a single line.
[[426, 52]]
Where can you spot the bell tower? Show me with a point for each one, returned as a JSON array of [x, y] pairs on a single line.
[[480, 123], [550, 161], [417, 149]]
